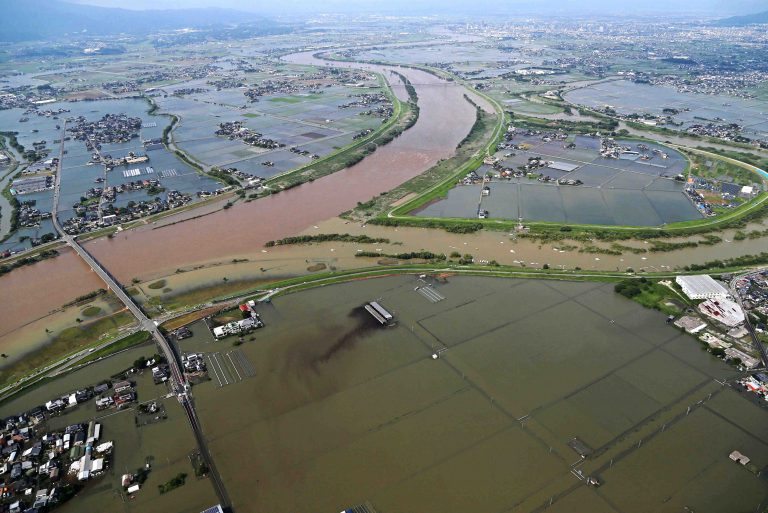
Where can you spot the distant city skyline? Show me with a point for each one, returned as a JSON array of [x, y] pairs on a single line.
[[711, 7]]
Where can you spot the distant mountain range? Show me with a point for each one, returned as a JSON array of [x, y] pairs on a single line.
[[742, 21], [24, 20]]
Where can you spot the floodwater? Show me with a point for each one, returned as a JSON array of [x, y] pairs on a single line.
[[165, 445], [630, 97], [336, 411], [445, 119], [625, 191], [34, 291]]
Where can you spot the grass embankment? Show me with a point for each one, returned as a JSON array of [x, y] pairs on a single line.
[[127, 342], [29, 258], [14, 203], [652, 294], [436, 181], [67, 342], [202, 295], [327, 237]]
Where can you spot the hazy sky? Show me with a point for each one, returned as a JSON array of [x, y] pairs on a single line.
[[442, 6]]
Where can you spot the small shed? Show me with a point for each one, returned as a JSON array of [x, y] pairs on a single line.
[[739, 458]]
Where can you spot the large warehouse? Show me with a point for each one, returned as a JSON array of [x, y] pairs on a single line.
[[701, 287]]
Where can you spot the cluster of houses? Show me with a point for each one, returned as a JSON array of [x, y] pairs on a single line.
[[727, 131], [121, 395], [234, 130], [184, 91], [757, 384], [753, 290], [160, 373], [250, 322], [250, 179], [610, 149], [471, 178], [193, 363], [111, 162], [27, 97], [37, 468], [362, 133], [279, 86], [365, 100], [304, 153], [111, 128], [706, 193], [93, 216], [29, 216]]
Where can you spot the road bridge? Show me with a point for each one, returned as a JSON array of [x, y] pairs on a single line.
[[179, 384]]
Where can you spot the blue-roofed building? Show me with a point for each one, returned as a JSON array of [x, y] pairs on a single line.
[[214, 509]]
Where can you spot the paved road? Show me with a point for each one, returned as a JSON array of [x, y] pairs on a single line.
[[179, 384]]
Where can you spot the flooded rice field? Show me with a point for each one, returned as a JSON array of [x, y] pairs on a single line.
[[323, 409], [624, 191], [629, 97], [320, 123]]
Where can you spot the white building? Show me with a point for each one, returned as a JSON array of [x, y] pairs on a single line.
[[724, 311], [701, 287]]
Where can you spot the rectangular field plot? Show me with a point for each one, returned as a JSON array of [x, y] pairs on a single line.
[[542, 202], [447, 328], [461, 202], [507, 359], [585, 206], [660, 477]]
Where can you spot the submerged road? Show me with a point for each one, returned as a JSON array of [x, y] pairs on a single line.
[[179, 384]]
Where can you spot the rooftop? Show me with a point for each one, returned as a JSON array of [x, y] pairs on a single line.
[[700, 286]]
